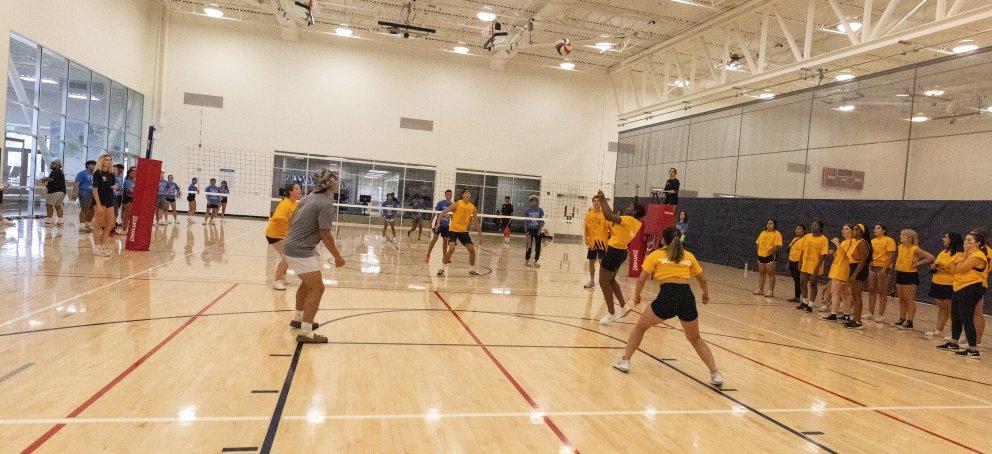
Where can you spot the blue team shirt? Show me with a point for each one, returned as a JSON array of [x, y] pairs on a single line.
[[213, 199], [191, 188], [119, 180], [534, 212], [128, 187], [85, 180], [389, 214], [418, 204], [441, 205], [163, 188]]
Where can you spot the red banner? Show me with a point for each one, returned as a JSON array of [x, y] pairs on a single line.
[[139, 227], [658, 217]]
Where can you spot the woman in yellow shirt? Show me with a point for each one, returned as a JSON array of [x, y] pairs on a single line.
[[941, 279], [839, 274], [859, 255], [970, 277], [596, 232], [980, 307], [769, 242], [673, 267], [796, 254], [815, 249], [623, 230], [883, 256], [278, 225], [909, 256]]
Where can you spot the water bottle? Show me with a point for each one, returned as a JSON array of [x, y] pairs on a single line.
[[745, 270]]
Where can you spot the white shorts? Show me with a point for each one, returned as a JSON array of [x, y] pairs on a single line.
[[303, 265]]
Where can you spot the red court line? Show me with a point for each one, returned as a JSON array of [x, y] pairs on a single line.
[[96, 396], [520, 389]]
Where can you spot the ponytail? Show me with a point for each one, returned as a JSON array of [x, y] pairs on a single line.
[[671, 238]]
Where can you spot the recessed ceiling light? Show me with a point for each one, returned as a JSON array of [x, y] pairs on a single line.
[[567, 65], [680, 83], [844, 76], [486, 16], [28, 78], [846, 108], [460, 49], [604, 46], [855, 26], [934, 92], [966, 45], [213, 10], [919, 118], [989, 108], [343, 31], [767, 94]]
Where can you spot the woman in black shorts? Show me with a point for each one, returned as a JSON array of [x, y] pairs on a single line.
[[223, 200], [278, 227], [623, 230], [859, 256], [673, 267], [941, 279]]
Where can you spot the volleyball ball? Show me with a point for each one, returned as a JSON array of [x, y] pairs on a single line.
[[563, 46]]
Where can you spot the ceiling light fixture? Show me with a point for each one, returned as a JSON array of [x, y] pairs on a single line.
[[28, 78], [213, 10], [989, 108], [855, 26], [846, 108], [604, 46], [49, 81], [919, 118], [680, 83], [767, 94], [966, 45], [934, 92], [843, 77], [567, 65], [343, 31], [486, 16], [460, 49]]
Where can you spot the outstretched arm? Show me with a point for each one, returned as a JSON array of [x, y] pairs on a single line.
[[607, 210]]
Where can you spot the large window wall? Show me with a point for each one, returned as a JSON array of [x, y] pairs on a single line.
[[59, 109], [489, 189]]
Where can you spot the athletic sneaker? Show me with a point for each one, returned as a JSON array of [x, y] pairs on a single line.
[[527, 263], [315, 339], [830, 318], [968, 352], [769, 295], [298, 325], [801, 306], [83, 230], [589, 284], [279, 284], [757, 292], [606, 319], [440, 272], [716, 379], [808, 309], [907, 325], [48, 222], [622, 312], [949, 346], [854, 325], [536, 265], [900, 322], [846, 317], [622, 365]]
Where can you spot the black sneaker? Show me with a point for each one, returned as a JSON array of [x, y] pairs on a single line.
[[440, 272], [830, 318], [808, 308], [908, 324], [900, 322], [968, 352], [846, 317], [298, 325], [854, 325], [801, 306], [949, 346]]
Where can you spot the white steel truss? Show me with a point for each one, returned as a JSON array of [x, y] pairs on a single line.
[[754, 42]]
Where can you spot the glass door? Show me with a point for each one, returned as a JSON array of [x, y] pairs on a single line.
[[17, 174]]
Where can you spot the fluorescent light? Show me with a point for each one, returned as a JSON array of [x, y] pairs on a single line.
[[567, 65], [680, 83], [213, 10], [28, 78], [49, 81], [934, 92], [767, 94], [342, 31], [604, 46], [855, 26], [989, 108], [965, 45], [78, 96], [919, 118], [486, 16], [843, 77], [846, 108], [460, 49]]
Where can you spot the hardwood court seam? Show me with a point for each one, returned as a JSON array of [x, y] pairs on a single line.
[[506, 373], [120, 377]]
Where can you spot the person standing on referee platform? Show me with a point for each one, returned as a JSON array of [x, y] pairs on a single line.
[[82, 188], [534, 228], [506, 210], [311, 224], [440, 228], [596, 231], [672, 188]]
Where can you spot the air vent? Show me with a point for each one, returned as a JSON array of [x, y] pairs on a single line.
[[196, 99], [416, 123], [796, 167]]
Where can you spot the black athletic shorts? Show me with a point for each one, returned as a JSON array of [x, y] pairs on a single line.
[[1, 196], [191, 197], [863, 275], [223, 200], [675, 300], [766, 260], [970, 294], [127, 199], [595, 254], [462, 237], [940, 291], [903, 278], [170, 199], [272, 240], [212, 206], [613, 258], [442, 231]]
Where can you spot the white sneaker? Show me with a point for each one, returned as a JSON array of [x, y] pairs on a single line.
[[716, 379], [279, 285], [622, 312], [589, 284], [102, 252], [769, 295], [622, 365], [204, 222], [606, 319], [757, 292]]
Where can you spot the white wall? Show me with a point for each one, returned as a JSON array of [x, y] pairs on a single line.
[[344, 97]]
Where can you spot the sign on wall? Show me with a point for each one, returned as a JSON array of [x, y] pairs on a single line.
[[843, 179]]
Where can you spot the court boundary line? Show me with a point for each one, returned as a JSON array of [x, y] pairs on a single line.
[[121, 376]]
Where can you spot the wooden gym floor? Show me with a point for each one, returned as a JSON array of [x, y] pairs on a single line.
[[186, 349]]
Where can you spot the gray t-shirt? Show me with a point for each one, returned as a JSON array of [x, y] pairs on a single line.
[[313, 213]]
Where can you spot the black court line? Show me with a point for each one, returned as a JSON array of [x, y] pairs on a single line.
[[727, 390], [241, 449], [813, 432], [280, 354], [265, 391], [14, 372], [270, 434], [853, 378]]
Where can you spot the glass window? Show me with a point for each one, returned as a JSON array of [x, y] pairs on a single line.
[[135, 104], [54, 70], [19, 117], [93, 153], [97, 137], [118, 106], [75, 131], [132, 144], [354, 179], [75, 158], [79, 92], [24, 58], [50, 150], [49, 124], [99, 99], [471, 179]]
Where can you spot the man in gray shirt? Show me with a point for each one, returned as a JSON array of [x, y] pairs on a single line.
[[311, 224]]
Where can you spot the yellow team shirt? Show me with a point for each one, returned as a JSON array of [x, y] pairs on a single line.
[[623, 233], [662, 269], [796, 248], [597, 229], [767, 241], [968, 276], [279, 222], [852, 252], [881, 247], [988, 253], [943, 276], [840, 269], [906, 258], [813, 248], [461, 215]]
